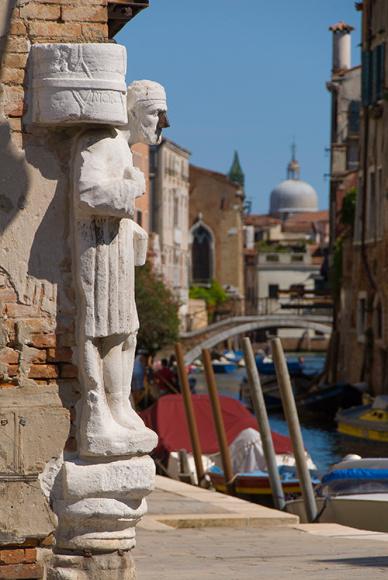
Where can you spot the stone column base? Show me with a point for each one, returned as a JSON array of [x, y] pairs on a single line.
[[112, 566]]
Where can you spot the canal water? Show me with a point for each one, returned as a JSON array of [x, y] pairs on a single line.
[[320, 437]]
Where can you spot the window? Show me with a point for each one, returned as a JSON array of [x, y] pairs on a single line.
[[378, 320], [373, 75], [176, 211], [202, 255], [273, 291], [371, 207], [272, 258], [297, 258], [352, 155], [354, 117], [361, 316]]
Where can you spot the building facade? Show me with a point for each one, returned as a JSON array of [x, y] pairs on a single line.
[[290, 246], [217, 236], [141, 159], [169, 219], [363, 322]]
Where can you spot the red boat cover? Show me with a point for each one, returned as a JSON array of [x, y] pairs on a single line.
[[167, 417]]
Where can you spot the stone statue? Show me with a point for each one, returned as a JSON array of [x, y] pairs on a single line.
[[108, 245]]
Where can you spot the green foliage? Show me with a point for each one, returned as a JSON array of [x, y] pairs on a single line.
[[266, 247], [348, 210], [157, 309], [213, 296]]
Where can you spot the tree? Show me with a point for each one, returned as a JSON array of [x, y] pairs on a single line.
[[158, 311]]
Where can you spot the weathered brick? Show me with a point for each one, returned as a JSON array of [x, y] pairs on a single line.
[[15, 59], [37, 326], [21, 572], [73, 2], [9, 356], [59, 354], [17, 27], [8, 385], [42, 340], [17, 44], [33, 355], [12, 370], [12, 556], [21, 310], [95, 31], [13, 98], [54, 30], [68, 371], [78, 13], [40, 12], [12, 75], [29, 555], [43, 372]]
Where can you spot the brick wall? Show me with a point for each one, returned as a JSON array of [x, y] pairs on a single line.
[[36, 332], [19, 563]]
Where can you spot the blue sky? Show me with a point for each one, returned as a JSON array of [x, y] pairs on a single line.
[[244, 75]]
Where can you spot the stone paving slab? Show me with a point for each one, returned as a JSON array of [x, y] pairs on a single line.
[[256, 554], [255, 543], [185, 506]]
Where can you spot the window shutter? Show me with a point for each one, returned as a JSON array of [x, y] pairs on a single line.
[[366, 78], [380, 66]]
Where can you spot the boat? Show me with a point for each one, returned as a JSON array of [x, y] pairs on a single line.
[[255, 486], [353, 493], [322, 399], [266, 366], [223, 366], [235, 356], [167, 417], [365, 421]]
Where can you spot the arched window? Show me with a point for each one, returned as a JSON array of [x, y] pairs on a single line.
[[202, 255]]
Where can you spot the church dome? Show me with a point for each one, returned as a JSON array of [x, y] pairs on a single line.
[[293, 195]]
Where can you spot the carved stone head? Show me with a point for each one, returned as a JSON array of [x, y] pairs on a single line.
[[147, 112]]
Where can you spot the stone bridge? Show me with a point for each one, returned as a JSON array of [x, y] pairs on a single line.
[[193, 342]]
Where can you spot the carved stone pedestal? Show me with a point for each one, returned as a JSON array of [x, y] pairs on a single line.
[[113, 566], [99, 504]]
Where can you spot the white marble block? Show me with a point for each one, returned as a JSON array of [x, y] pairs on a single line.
[[79, 83]]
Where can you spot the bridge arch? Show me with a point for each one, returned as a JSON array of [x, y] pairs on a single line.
[[264, 323]]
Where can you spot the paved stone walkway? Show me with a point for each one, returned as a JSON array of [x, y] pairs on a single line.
[[240, 548]]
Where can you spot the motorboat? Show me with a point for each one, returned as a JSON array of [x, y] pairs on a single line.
[[353, 493], [223, 366], [266, 366], [251, 480], [365, 421]]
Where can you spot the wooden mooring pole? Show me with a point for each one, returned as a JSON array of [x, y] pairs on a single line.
[[190, 416], [218, 421], [257, 397], [292, 419]]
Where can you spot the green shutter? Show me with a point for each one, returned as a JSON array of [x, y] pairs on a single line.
[[366, 78], [380, 80]]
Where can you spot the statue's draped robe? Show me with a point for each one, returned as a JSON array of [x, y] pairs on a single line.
[[109, 246]]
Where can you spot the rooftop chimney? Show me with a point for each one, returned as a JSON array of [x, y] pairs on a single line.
[[341, 46]]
